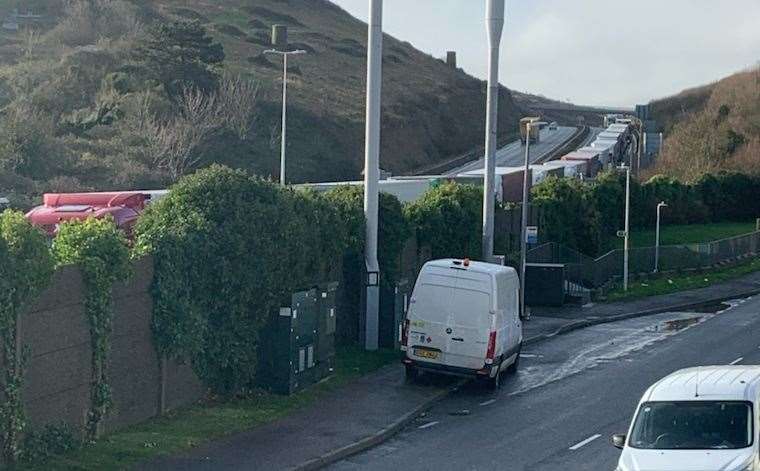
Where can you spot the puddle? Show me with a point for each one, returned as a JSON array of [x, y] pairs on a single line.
[[712, 308]]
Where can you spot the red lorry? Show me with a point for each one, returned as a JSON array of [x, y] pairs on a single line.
[[124, 206]]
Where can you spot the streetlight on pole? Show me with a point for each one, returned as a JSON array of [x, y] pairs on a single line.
[[284, 138], [372, 173], [627, 230], [657, 238], [524, 224], [495, 27]]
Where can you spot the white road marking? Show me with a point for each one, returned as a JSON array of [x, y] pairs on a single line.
[[427, 425], [736, 361], [530, 355], [488, 403], [584, 442]]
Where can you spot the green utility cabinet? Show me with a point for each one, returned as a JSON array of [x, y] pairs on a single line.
[[297, 347]]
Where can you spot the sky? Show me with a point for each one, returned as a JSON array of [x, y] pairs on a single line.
[[591, 52]]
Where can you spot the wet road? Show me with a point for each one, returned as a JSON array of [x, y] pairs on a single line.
[[570, 395]]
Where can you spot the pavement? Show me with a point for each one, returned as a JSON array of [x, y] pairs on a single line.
[[371, 410], [513, 154]]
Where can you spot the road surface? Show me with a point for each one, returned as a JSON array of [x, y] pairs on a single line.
[[571, 394], [513, 154]]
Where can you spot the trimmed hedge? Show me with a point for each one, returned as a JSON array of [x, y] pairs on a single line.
[[448, 219], [229, 250]]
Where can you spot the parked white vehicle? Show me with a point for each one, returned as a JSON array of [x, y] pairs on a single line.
[[464, 320], [697, 419]]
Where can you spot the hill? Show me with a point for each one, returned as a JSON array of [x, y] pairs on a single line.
[[712, 128], [79, 81]]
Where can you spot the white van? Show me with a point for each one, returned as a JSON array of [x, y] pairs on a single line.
[[463, 319], [702, 418]]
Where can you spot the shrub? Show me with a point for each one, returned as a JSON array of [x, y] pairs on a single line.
[[25, 269], [100, 250], [568, 213], [52, 440], [448, 219], [229, 249]]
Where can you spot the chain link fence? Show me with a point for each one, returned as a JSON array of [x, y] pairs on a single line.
[[584, 272]]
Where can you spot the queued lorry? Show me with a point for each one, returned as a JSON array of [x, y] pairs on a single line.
[[535, 128]]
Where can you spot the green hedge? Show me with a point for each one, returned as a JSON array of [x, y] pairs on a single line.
[[229, 249], [448, 219], [586, 217]]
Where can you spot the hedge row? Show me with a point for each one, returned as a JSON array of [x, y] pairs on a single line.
[[586, 217]]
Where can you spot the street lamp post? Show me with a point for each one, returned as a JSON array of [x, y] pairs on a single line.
[[495, 27], [657, 238], [627, 223], [284, 139], [524, 224], [372, 174]]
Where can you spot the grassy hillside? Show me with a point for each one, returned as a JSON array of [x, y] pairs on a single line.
[[81, 85], [712, 128]]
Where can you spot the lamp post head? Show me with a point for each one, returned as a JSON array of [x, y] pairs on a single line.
[[662, 205]]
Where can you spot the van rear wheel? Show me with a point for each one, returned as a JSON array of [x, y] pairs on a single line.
[[515, 364], [495, 383], [410, 373]]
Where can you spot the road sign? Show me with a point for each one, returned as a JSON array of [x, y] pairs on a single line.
[[621, 234], [531, 234]]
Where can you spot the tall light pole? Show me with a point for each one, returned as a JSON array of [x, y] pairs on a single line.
[[372, 173], [657, 238], [627, 232], [284, 139], [495, 28], [524, 224]]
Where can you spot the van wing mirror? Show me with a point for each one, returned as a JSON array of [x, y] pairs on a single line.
[[619, 440]]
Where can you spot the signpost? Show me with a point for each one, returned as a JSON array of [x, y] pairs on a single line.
[[531, 235]]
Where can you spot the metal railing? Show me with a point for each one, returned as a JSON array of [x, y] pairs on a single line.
[[584, 272]]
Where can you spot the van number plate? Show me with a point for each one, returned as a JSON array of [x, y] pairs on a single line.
[[426, 354]]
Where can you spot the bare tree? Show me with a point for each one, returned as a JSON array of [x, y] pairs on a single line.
[[175, 142], [236, 100]]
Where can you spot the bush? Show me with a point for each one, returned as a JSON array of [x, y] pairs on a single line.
[[52, 440], [100, 250], [569, 214], [229, 250], [448, 219], [25, 269]]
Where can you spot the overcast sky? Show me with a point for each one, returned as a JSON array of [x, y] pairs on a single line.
[[595, 52]]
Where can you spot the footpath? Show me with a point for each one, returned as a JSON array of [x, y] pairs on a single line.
[[373, 408]]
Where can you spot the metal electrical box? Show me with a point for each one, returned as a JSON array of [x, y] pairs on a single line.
[[297, 347], [393, 305]]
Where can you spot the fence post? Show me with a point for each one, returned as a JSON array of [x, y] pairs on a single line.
[[757, 224]]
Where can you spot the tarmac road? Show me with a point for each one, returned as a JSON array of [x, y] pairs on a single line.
[[513, 154], [570, 395]]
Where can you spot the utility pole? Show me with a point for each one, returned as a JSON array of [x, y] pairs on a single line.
[[372, 173], [627, 225], [495, 28], [524, 224], [657, 238], [284, 136]]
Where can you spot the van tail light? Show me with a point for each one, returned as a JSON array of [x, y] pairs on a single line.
[[405, 332], [491, 348]]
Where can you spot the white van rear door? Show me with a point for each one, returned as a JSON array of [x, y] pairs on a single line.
[[428, 314], [469, 323]]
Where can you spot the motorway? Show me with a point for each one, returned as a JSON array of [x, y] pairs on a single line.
[[513, 154], [571, 394]]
